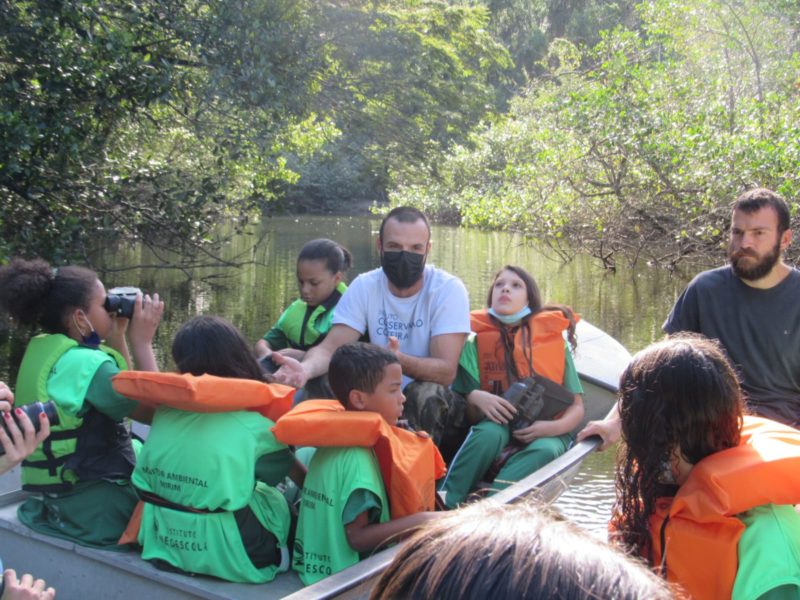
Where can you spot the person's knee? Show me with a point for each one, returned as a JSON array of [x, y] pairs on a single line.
[[548, 448], [493, 433]]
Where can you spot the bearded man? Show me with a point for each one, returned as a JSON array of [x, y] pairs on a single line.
[[419, 312], [752, 306]]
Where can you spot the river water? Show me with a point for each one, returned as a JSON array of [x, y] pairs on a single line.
[[629, 304]]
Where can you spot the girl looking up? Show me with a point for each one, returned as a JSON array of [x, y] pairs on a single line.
[[514, 338], [713, 487], [82, 471]]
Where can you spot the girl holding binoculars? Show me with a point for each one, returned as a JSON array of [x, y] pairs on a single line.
[[82, 471]]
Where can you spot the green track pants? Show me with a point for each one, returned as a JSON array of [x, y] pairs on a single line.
[[484, 443]]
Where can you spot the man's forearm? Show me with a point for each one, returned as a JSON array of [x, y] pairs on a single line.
[[316, 361], [436, 370]]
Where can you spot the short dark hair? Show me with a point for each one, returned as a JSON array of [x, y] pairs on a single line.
[[404, 214], [521, 550], [34, 293], [213, 345], [336, 257], [757, 198], [358, 366]]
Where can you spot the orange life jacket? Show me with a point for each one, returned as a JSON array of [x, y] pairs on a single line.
[[410, 463], [204, 393], [547, 330], [702, 533]]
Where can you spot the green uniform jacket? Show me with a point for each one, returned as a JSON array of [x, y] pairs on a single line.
[[208, 461], [302, 327], [334, 475]]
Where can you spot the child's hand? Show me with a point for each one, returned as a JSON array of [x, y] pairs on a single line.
[[493, 407], [22, 439], [609, 430], [533, 431], [26, 588], [147, 314]]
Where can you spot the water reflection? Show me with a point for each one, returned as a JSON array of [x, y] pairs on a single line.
[[629, 304]]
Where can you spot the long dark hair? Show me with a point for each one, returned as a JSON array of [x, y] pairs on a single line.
[[678, 395], [520, 550], [535, 304], [34, 293], [212, 345]]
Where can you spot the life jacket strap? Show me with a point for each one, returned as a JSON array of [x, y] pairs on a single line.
[[157, 500]]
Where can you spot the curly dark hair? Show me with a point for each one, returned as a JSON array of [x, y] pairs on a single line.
[[677, 395], [34, 293]]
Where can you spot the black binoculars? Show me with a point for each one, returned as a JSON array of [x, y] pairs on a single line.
[[121, 300]]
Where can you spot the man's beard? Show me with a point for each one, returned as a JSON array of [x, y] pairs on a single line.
[[761, 268]]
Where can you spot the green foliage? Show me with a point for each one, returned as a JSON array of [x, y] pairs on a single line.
[[407, 79], [155, 119], [144, 119], [640, 152]]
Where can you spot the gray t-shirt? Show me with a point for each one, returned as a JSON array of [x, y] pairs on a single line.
[[759, 329]]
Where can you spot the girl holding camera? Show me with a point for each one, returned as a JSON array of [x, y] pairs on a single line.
[[515, 337], [82, 471]]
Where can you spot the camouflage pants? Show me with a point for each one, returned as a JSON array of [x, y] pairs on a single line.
[[441, 412]]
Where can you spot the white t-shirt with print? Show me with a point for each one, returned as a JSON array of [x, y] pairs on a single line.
[[440, 307]]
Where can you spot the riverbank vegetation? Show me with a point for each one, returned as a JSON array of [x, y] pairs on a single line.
[[617, 128]]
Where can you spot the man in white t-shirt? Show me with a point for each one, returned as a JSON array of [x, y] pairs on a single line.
[[418, 311]]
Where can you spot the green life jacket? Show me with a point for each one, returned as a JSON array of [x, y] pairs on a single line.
[[306, 328], [321, 547], [84, 446], [205, 465]]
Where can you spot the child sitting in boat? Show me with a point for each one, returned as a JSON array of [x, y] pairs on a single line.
[[207, 478], [321, 266], [82, 471], [514, 338], [345, 512], [713, 487]]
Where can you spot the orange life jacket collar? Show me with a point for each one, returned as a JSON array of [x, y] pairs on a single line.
[[204, 393], [546, 343], [764, 468], [410, 464]]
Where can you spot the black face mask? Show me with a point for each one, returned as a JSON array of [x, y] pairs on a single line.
[[403, 269]]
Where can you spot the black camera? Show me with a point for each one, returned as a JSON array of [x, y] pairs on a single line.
[[268, 365], [32, 410], [526, 396], [121, 300]]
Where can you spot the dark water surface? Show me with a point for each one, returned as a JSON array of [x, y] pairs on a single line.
[[630, 304]]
